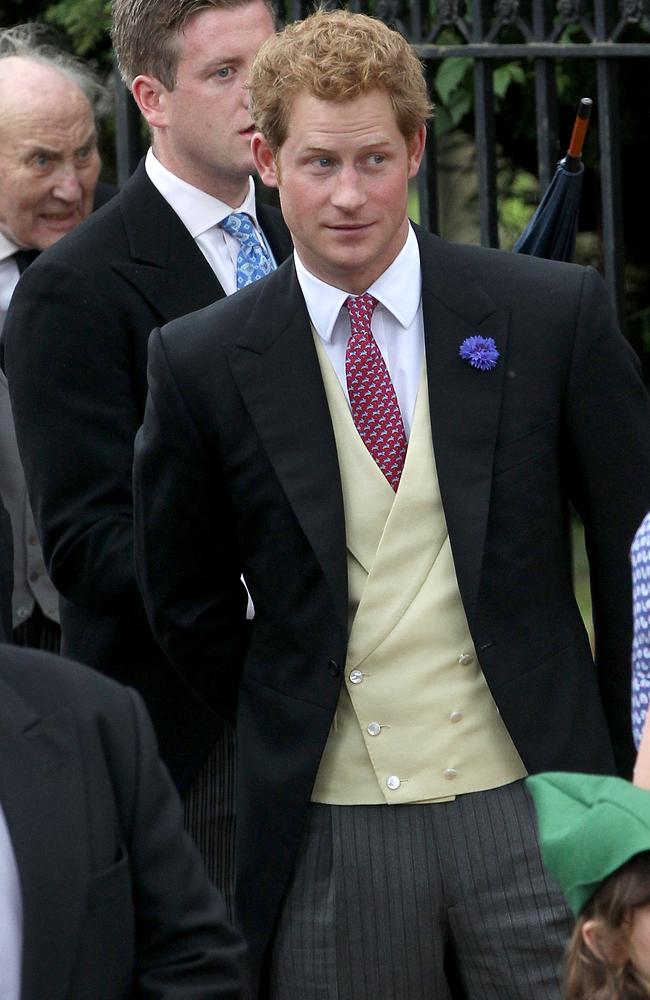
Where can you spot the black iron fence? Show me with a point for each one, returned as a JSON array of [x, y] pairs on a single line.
[[541, 34]]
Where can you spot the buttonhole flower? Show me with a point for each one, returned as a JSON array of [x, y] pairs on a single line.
[[479, 352]]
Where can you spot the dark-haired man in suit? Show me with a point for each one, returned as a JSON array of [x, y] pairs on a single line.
[[384, 436], [185, 230]]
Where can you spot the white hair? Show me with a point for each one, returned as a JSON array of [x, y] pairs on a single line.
[[29, 41]]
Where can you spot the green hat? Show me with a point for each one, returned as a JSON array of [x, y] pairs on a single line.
[[589, 825]]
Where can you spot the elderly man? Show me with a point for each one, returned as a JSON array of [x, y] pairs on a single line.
[[384, 436], [185, 230], [49, 167], [102, 894]]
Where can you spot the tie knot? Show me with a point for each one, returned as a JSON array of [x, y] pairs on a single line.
[[360, 309], [240, 225]]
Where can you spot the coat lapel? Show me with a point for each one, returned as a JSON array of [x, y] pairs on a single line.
[[277, 371], [43, 799], [166, 266], [465, 403], [276, 368]]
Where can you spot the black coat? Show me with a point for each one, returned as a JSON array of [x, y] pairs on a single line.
[[75, 356], [116, 903], [237, 451], [6, 574]]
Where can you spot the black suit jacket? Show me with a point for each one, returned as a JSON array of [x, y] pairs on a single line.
[[6, 574], [116, 904], [75, 355], [237, 434]]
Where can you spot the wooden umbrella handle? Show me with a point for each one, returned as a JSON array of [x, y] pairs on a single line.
[[580, 127]]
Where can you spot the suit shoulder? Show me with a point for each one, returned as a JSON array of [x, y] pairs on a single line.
[[525, 267], [50, 683], [507, 275], [221, 323]]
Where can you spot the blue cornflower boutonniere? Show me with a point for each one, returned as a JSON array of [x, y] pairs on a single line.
[[479, 352]]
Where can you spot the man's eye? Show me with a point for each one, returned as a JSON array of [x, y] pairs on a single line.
[[84, 152], [40, 159], [323, 161], [224, 72], [377, 158]]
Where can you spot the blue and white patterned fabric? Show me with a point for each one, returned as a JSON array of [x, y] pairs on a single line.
[[253, 260], [641, 643]]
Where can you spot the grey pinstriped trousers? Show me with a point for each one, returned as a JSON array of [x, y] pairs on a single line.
[[209, 808], [380, 892]]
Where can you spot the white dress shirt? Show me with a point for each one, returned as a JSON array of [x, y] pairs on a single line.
[[9, 275], [201, 214], [11, 917], [397, 323]]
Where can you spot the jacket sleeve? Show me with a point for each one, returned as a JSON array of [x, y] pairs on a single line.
[[608, 469], [69, 363], [6, 574], [187, 556]]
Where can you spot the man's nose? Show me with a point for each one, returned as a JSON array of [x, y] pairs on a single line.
[[349, 193], [68, 185]]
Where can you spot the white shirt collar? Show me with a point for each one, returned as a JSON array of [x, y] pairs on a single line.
[[7, 248], [399, 290], [197, 210]]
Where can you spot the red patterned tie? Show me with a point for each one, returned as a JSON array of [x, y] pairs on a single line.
[[373, 400]]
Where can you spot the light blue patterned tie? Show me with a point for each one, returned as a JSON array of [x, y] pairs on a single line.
[[253, 261]]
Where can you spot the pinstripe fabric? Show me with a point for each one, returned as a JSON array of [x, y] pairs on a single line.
[[304, 960], [407, 882], [210, 815], [39, 632]]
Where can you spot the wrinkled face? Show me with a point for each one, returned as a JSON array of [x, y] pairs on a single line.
[[640, 942], [49, 162], [343, 174], [204, 134]]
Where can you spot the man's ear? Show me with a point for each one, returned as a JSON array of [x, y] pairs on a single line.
[[149, 95], [415, 147], [265, 161]]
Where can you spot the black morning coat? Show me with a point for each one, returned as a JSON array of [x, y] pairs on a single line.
[[75, 343], [236, 462]]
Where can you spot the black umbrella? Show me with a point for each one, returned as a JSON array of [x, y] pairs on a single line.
[[551, 232]]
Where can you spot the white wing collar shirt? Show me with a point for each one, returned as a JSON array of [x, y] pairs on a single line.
[[397, 323], [11, 917], [201, 214], [9, 275]]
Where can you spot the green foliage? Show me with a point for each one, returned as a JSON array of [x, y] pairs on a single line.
[[503, 76], [518, 194], [453, 83], [451, 77], [87, 22]]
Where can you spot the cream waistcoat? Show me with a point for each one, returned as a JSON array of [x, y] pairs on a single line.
[[415, 720]]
